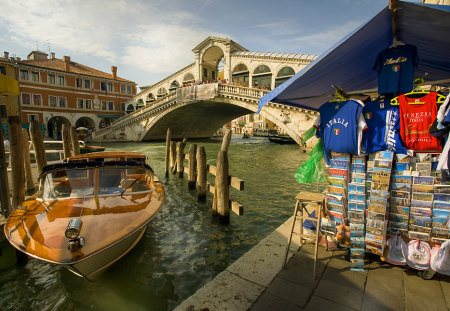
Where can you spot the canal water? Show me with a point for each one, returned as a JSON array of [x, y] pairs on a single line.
[[183, 248]]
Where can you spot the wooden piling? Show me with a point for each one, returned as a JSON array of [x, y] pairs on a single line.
[[38, 145], [192, 176], [27, 162], [173, 156], [4, 193], [226, 140], [201, 173], [180, 158], [75, 141], [222, 186], [168, 140], [17, 167], [65, 129]]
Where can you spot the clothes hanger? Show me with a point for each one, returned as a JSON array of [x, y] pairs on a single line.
[[339, 95], [417, 92]]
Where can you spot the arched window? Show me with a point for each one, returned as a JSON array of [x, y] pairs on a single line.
[[150, 98], [161, 92], [283, 75], [240, 75], [173, 86], [130, 108], [189, 77], [262, 77]]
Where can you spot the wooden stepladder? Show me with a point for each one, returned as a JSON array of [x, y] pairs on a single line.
[[301, 213]]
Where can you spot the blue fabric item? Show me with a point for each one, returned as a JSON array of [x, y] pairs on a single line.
[[338, 127], [348, 64], [383, 127], [395, 67]]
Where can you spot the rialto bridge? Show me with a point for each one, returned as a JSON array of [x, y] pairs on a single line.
[[246, 76]]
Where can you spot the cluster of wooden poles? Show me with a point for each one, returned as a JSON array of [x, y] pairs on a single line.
[[21, 173], [197, 170]]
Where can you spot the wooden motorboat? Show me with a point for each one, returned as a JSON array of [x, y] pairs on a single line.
[[88, 212], [281, 139]]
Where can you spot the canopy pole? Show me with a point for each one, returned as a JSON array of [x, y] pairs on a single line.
[[393, 6]]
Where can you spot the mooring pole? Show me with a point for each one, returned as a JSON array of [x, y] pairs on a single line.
[[173, 156], [26, 157], [75, 141], [65, 129], [201, 173], [222, 185], [167, 162], [4, 194], [38, 145], [192, 166], [17, 167]]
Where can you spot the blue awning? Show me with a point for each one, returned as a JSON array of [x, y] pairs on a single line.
[[348, 64]]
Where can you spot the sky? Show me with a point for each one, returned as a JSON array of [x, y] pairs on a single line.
[[150, 39]]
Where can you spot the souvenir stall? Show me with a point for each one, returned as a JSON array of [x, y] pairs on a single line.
[[388, 187]]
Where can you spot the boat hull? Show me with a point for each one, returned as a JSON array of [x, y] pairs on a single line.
[[94, 266], [282, 139]]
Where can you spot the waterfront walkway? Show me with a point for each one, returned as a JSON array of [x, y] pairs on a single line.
[[257, 282]]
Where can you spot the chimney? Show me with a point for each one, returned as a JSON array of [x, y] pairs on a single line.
[[114, 72], [6, 56], [66, 60], [18, 59], [52, 55]]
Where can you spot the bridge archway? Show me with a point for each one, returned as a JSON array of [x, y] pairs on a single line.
[[85, 122], [173, 86], [54, 125], [210, 63], [188, 78], [241, 75], [284, 74]]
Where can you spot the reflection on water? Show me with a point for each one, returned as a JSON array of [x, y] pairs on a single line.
[[183, 248]]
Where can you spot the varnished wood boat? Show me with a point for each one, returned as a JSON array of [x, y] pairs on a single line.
[[88, 212]]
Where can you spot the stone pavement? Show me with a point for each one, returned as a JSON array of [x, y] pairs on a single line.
[[258, 282]]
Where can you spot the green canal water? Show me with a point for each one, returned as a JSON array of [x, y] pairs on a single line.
[[183, 248]]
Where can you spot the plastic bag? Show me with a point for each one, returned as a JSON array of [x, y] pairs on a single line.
[[312, 170], [308, 134]]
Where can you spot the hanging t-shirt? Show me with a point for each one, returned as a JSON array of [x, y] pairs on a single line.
[[416, 120], [395, 67], [383, 127], [340, 125]]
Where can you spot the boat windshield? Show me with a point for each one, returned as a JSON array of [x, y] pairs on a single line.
[[77, 183], [67, 183], [122, 180]]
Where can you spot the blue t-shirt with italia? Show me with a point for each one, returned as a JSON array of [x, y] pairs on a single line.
[[383, 127], [395, 67], [340, 126]]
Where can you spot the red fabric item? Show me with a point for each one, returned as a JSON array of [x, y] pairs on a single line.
[[416, 120]]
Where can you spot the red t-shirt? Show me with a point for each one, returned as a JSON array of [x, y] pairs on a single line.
[[416, 120]]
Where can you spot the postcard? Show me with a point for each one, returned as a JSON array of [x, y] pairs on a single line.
[[419, 236], [423, 188], [339, 164], [370, 166], [441, 213], [424, 169], [380, 186], [340, 155], [358, 178], [335, 172], [400, 194], [334, 181], [356, 217], [357, 197], [398, 218], [328, 225], [423, 157], [402, 167], [381, 171], [402, 179], [398, 209], [358, 159], [378, 201], [336, 190], [439, 240], [379, 194], [376, 208], [442, 189], [417, 203], [400, 201], [358, 168], [384, 155], [356, 252], [402, 158], [399, 225], [420, 221], [422, 196], [442, 197], [441, 205], [401, 187], [423, 180], [421, 211], [398, 231], [383, 163], [374, 231], [385, 180]]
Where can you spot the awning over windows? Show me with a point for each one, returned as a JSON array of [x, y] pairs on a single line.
[[8, 86], [108, 116]]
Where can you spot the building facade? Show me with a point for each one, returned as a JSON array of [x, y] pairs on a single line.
[[55, 91]]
